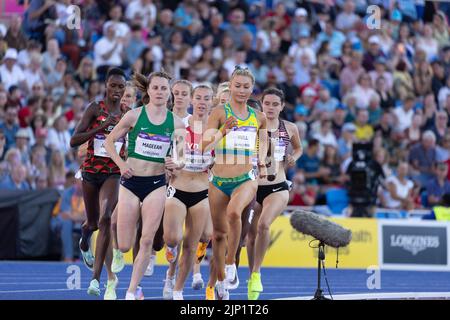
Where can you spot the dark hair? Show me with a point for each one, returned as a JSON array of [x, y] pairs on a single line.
[[142, 82], [70, 174], [115, 72], [254, 103], [279, 93], [445, 200], [313, 142]]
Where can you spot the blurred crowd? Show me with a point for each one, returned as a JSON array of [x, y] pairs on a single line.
[[344, 82]]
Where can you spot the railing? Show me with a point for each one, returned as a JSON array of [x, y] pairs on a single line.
[[379, 212]]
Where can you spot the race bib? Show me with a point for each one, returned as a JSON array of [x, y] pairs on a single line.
[[279, 151], [242, 138], [197, 162], [152, 145], [99, 146]]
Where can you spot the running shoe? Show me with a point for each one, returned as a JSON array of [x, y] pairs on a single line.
[[210, 294], [171, 254], [201, 251], [139, 294], [178, 295], [221, 291], [94, 288], [151, 266], [197, 282], [169, 283], [118, 263], [230, 273], [255, 286], [111, 285], [130, 296], [235, 283], [88, 257]]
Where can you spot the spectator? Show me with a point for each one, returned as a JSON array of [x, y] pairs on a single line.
[[404, 114], [57, 170], [50, 57], [326, 103], [438, 185], [38, 166], [364, 131], [422, 158], [122, 29], [347, 19], [2, 145], [11, 73], [373, 53], [164, 27], [59, 136], [85, 73], [108, 52], [75, 113], [375, 111], [427, 43], [10, 126], [302, 194], [303, 46], [351, 73], [309, 163], [334, 37], [363, 91], [299, 24], [236, 29], [215, 29], [144, 8], [413, 133], [16, 180], [440, 125], [440, 29], [438, 80], [72, 214], [291, 93], [381, 71], [403, 83], [399, 190], [386, 99], [338, 119], [430, 110], [443, 94], [37, 17], [15, 38], [22, 144], [332, 162], [345, 142], [324, 134], [422, 78]]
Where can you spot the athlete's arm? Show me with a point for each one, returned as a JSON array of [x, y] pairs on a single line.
[[213, 134], [297, 148], [176, 162], [262, 134], [120, 130], [80, 135]]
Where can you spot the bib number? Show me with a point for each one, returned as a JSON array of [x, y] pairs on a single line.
[[243, 138], [99, 146], [152, 146]]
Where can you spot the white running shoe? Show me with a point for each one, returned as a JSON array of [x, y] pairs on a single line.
[[118, 263], [151, 266], [130, 296], [234, 284], [169, 283], [178, 295], [110, 293], [221, 291], [88, 257], [94, 288], [230, 273], [197, 281]]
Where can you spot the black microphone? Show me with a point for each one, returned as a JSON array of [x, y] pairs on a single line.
[[328, 232]]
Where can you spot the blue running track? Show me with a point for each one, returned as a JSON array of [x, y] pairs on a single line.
[[48, 281]]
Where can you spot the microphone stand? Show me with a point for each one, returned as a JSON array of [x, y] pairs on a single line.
[[320, 258]]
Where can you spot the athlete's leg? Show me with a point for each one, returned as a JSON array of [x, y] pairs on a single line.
[[273, 206], [108, 200], [218, 202], [240, 199], [152, 210], [129, 209], [91, 203], [251, 237], [194, 229]]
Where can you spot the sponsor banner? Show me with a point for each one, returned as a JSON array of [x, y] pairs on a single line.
[[289, 248], [414, 245]]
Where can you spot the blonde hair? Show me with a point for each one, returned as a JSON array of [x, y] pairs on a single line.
[[221, 88], [203, 86], [239, 71]]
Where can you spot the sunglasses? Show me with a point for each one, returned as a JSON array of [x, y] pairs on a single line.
[[238, 67]]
